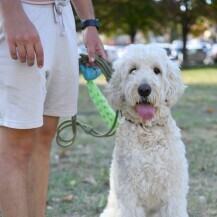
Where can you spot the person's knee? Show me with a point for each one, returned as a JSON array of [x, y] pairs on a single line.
[[24, 146], [16, 145], [46, 136], [48, 131]]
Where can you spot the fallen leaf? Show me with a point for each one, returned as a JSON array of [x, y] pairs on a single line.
[[202, 169], [63, 154], [90, 179], [68, 198], [210, 110]]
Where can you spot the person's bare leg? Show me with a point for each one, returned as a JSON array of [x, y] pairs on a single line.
[[39, 168], [15, 151]]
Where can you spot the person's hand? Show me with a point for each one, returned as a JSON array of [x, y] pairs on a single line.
[[23, 40], [93, 43]]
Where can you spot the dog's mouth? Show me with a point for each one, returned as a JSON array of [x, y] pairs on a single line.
[[145, 110]]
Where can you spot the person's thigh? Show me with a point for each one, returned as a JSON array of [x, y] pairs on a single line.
[[26, 93], [63, 73], [22, 91], [22, 94]]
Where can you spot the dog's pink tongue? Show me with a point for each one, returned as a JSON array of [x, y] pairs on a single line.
[[145, 111]]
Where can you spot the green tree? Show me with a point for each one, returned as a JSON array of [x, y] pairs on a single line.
[[130, 16], [185, 13], [125, 16]]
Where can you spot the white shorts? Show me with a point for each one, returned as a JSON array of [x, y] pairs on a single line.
[[28, 93]]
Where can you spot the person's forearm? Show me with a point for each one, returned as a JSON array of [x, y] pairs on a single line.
[[20, 33], [84, 9], [10, 9]]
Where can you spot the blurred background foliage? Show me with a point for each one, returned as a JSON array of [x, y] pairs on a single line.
[[177, 18]]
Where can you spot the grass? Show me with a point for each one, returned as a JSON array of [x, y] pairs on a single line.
[[202, 75], [79, 180], [196, 114], [83, 170]]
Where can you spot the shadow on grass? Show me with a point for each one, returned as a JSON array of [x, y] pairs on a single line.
[[213, 66]]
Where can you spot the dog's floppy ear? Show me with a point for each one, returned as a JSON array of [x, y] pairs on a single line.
[[175, 87], [114, 87]]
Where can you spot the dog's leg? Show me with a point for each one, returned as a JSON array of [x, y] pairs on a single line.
[[122, 200], [132, 211], [127, 202], [175, 208], [111, 207]]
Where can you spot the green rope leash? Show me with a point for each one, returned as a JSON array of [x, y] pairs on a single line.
[[106, 112], [109, 116]]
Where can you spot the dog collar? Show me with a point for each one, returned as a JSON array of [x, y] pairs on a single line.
[[133, 122]]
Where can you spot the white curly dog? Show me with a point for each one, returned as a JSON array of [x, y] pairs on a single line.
[[149, 171]]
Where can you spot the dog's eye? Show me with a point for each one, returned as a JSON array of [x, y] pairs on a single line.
[[133, 69], [157, 71]]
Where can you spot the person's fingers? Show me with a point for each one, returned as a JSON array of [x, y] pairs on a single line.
[[12, 47], [104, 56], [21, 50], [91, 54], [13, 51], [98, 51], [39, 54], [101, 52], [30, 55]]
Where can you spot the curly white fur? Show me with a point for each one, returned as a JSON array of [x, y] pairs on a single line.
[[149, 171]]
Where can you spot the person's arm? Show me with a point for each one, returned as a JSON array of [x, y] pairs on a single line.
[[84, 9], [21, 35]]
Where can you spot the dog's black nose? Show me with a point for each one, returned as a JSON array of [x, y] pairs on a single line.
[[144, 90]]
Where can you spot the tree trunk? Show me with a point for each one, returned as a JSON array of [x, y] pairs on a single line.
[[132, 35], [185, 31]]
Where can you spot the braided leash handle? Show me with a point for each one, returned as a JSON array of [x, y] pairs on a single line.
[[101, 63], [106, 112]]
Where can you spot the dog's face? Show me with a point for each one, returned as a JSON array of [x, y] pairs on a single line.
[[144, 83]]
